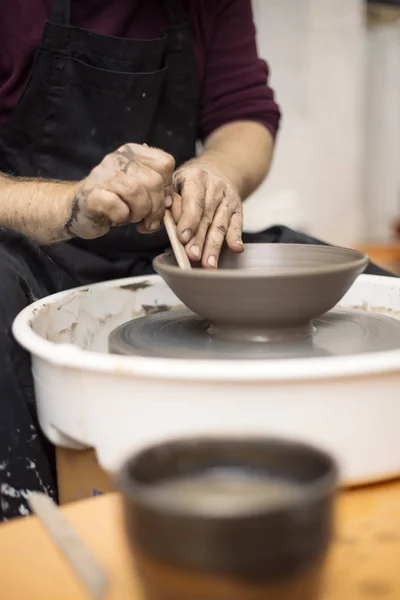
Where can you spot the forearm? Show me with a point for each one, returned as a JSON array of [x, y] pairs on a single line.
[[242, 151], [36, 208]]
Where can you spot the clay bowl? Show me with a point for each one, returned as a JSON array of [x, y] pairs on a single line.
[[229, 519], [269, 292]]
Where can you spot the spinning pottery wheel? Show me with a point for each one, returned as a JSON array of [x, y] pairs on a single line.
[[259, 304], [181, 334], [270, 292], [328, 376]]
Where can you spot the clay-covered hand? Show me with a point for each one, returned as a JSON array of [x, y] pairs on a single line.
[[208, 212], [131, 185]]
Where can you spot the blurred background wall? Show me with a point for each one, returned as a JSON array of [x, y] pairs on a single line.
[[336, 173]]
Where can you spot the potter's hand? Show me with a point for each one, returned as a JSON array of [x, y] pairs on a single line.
[[131, 185], [208, 211]]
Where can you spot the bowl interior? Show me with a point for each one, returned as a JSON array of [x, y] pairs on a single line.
[[274, 260], [233, 474]]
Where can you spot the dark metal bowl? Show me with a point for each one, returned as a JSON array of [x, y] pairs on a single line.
[[262, 547]]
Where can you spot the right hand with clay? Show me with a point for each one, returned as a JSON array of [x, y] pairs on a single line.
[[131, 185]]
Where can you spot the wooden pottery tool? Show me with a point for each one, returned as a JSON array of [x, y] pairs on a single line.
[[178, 248]]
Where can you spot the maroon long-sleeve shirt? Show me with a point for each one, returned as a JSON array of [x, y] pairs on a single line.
[[233, 80]]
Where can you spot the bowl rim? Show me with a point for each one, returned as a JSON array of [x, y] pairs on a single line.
[[359, 261], [320, 487]]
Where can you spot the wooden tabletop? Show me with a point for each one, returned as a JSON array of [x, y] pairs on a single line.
[[384, 255], [364, 563]]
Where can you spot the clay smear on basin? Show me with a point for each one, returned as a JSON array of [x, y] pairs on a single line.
[[134, 287]]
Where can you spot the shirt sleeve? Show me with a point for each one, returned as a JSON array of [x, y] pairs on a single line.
[[235, 85]]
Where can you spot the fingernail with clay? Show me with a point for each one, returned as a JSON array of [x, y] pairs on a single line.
[[195, 250], [212, 261], [186, 235], [155, 225], [240, 242], [168, 201]]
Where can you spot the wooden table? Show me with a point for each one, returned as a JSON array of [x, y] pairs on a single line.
[[385, 255], [364, 563]]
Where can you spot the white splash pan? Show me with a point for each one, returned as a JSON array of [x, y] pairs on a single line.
[[87, 398]]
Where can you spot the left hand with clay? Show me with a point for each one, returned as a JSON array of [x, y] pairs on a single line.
[[208, 211]]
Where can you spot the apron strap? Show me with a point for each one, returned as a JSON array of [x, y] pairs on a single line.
[[61, 12], [174, 11]]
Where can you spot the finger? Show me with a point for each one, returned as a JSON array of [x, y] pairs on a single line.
[[142, 228], [143, 189], [129, 187], [98, 212], [192, 186], [104, 202], [156, 159], [214, 197], [176, 207], [168, 196], [154, 184], [216, 236], [235, 232]]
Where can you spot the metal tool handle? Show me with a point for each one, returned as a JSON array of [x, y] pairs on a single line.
[[79, 556]]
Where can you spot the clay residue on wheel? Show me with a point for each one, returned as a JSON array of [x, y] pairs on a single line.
[[70, 331], [89, 340], [134, 287], [382, 310], [151, 309], [106, 318]]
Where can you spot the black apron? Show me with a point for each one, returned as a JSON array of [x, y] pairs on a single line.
[[87, 95]]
